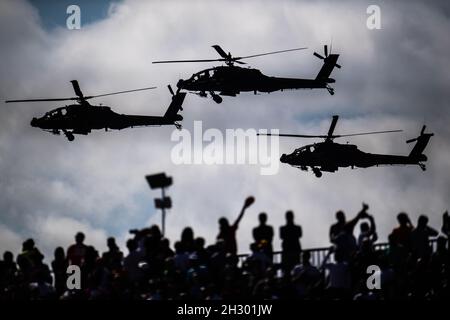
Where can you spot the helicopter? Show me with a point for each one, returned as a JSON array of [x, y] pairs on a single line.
[[329, 156], [230, 80], [83, 117]]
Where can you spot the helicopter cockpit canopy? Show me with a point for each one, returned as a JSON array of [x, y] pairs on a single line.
[[204, 74], [304, 150], [58, 112]]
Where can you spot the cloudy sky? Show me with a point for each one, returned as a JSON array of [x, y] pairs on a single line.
[[393, 78]]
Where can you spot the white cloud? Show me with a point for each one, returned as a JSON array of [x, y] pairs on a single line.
[[393, 78]]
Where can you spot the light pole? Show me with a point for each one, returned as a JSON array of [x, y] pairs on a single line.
[[161, 181]]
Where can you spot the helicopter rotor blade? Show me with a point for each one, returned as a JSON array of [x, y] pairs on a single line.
[[325, 50], [118, 92], [79, 97], [171, 90], [37, 100], [227, 57], [332, 126], [327, 136], [182, 61], [77, 89], [291, 135], [268, 53], [423, 129], [365, 133], [318, 56], [221, 52]]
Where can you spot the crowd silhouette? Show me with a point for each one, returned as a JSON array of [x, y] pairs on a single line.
[[414, 265]]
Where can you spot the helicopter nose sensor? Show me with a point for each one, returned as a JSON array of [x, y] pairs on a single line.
[[283, 158], [34, 122]]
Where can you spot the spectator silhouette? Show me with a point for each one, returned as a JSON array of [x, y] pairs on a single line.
[[341, 233], [339, 280], [112, 258], [227, 232], [439, 265], [165, 251], [263, 235], [420, 238], [202, 254], [77, 251], [368, 232], [90, 268], [337, 228], [150, 271], [181, 257], [29, 259], [131, 263], [59, 267], [8, 269], [305, 276], [41, 283], [446, 224], [290, 235], [258, 259], [401, 235], [187, 239]]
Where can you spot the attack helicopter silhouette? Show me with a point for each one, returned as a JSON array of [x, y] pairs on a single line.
[[82, 118], [230, 80], [329, 156]]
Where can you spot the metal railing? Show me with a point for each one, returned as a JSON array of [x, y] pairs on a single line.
[[319, 255]]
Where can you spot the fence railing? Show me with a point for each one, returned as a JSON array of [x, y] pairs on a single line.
[[319, 255]]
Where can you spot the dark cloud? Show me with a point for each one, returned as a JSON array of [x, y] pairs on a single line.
[[396, 77]]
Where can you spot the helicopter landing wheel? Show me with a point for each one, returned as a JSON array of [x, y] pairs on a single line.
[[331, 91], [69, 135], [317, 172], [217, 99]]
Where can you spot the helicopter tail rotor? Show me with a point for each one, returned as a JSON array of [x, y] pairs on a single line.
[[422, 132], [171, 90], [326, 56], [421, 143]]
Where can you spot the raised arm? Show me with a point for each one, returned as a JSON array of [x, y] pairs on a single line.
[[373, 228], [248, 202], [445, 223], [361, 214]]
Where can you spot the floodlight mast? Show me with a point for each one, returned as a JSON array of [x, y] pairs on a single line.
[[161, 181], [163, 213]]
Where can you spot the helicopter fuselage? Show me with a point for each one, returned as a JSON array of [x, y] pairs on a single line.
[[329, 156], [81, 119], [231, 80]]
